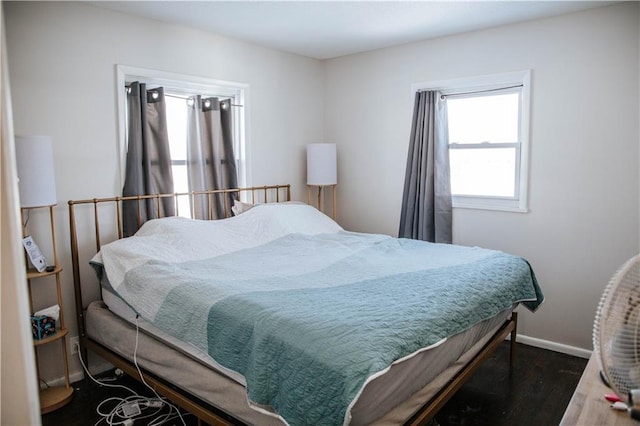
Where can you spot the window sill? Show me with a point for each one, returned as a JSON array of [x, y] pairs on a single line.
[[512, 206]]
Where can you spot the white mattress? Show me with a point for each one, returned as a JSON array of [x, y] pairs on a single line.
[[381, 397]]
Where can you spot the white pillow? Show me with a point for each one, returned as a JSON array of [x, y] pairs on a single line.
[[290, 217], [240, 207]]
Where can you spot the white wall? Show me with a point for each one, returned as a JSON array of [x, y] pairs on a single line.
[[62, 60], [584, 174]]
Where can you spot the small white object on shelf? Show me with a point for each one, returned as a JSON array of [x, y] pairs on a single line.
[[35, 256]]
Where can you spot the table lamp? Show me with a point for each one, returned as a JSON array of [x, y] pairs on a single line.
[[36, 177], [322, 170]]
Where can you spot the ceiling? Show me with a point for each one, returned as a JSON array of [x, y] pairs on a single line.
[[329, 29]]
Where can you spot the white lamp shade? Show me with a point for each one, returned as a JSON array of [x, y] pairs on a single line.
[[321, 164], [36, 177]]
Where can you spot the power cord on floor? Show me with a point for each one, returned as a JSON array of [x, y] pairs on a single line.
[[172, 408], [135, 407]]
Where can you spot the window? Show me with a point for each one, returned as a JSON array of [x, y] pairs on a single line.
[[488, 139], [177, 131], [177, 89], [484, 144]]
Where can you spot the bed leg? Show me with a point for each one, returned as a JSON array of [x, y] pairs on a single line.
[[512, 343]]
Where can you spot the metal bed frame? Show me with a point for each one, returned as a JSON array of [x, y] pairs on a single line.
[[181, 397]]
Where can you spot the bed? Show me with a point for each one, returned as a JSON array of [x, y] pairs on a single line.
[[277, 315]]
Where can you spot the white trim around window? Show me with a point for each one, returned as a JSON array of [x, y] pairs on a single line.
[[459, 86]]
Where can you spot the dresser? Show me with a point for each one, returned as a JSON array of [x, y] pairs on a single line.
[[588, 406]]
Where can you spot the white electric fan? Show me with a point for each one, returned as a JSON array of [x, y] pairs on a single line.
[[616, 334]]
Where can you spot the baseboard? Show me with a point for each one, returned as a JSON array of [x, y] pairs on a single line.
[[79, 375], [553, 346]]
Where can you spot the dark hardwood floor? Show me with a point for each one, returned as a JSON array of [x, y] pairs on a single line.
[[535, 392]]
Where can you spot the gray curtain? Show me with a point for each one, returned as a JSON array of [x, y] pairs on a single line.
[[426, 201], [148, 168], [211, 162]]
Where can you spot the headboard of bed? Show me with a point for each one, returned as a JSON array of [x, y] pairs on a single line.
[[99, 221]]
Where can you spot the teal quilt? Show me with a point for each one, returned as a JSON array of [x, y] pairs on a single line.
[[308, 319]]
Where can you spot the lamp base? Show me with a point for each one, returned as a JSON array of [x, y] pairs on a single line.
[[320, 201]]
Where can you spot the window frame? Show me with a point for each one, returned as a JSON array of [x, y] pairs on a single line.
[[187, 85], [494, 82]]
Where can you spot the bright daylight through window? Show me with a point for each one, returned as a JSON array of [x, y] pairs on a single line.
[[488, 129], [177, 131], [484, 144]]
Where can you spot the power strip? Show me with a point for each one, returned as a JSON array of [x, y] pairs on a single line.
[[131, 409]]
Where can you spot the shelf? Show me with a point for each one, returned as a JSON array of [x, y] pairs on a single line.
[[59, 335], [54, 397], [32, 273]]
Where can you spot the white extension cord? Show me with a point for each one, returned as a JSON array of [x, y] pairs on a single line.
[[135, 407]]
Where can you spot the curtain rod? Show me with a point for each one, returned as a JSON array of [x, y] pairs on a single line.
[[480, 91], [187, 98], [128, 86]]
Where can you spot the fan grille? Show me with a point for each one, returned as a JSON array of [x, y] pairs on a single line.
[[616, 331]]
